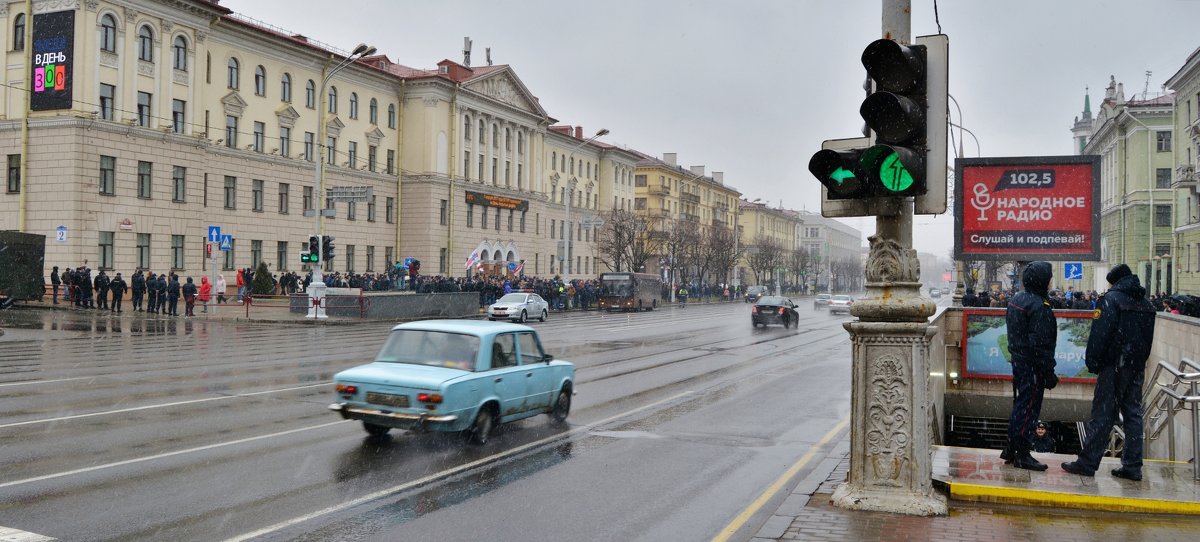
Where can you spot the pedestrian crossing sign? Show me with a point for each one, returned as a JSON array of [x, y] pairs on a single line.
[[226, 243]]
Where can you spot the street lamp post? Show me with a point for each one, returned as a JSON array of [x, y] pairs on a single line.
[[566, 268], [316, 288]]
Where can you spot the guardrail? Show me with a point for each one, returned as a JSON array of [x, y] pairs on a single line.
[[1168, 400], [286, 302]]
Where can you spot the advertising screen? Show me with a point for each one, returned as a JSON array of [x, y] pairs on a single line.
[[985, 345]]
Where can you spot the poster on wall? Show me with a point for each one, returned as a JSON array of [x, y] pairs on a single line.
[[985, 348], [53, 51]]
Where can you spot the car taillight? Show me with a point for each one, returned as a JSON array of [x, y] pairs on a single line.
[[781, 310], [429, 397], [345, 388], [753, 310]]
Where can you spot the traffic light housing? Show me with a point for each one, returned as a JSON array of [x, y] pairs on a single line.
[[311, 253], [327, 247]]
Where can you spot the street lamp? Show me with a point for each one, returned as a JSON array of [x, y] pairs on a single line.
[[316, 288], [570, 196]]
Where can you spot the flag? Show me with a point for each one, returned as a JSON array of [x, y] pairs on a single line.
[[520, 267], [472, 260]]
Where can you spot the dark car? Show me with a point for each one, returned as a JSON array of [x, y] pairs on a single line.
[[755, 292], [773, 309]]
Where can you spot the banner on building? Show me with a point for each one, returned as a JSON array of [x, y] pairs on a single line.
[[53, 57], [1027, 208]]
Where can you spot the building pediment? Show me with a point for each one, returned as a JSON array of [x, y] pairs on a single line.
[[233, 104], [287, 116], [334, 126], [374, 136], [504, 86]]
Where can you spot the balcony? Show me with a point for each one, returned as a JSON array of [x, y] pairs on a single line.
[[657, 213], [1185, 177], [690, 217], [690, 198], [658, 190]]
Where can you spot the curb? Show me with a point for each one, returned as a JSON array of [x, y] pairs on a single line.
[[1055, 499]]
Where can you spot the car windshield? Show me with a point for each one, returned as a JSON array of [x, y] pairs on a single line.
[[822, 296], [434, 348], [513, 298], [771, 300], [756, 289], [841, 298]]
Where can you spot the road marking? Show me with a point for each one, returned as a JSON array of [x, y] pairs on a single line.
[[445, 473], [162, 455], [33, 382], [774, 488], [160, 405], [8, 534]]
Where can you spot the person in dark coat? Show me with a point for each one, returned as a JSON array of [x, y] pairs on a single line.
[[117, 286], [172, 295], [1118, 346], [152, 293], [137, 289], [1042, 441], [85, 288], [1032, 339], [55, 281], [969, 299], [101, 284], [189, 297]]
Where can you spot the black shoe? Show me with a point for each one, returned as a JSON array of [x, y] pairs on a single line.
[[1128, 474], [1075, 468], [1027, 462], [1007, 456]]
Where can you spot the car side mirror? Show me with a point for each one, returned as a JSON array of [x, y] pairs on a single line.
[[547, 358]]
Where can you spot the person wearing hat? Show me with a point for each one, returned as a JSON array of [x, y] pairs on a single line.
[[1042, 441], [1118, 346], [1032, 338]]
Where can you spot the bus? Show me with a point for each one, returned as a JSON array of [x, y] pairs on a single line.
[[629, 291]]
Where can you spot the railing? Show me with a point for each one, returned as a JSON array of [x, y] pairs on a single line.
[[1185, 176], [658, 190], [1167, 400], [286, 303]]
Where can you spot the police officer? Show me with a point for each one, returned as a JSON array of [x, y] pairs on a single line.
[[1118, 346], [1032, 338], [151, 292], [55, 281], [101, 284], [137, 288], [173, 291], [117, 286]]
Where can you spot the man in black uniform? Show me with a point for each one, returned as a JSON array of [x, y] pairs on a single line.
[[101, 284], [1032, 338], [55, 281], [1117, 349], [137, 288], [117, 286], [152, 293], [172, 295]]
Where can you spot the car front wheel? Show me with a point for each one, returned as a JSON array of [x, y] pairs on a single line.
[[562, 405], [544, 316], [481, 430]]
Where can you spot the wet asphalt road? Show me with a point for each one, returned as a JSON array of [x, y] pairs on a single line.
[[137, 428]]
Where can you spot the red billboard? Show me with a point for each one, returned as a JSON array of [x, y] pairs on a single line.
[[1027, 208]]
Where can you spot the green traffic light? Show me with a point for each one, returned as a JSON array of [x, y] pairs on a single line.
[[893, 175], [841, 174]]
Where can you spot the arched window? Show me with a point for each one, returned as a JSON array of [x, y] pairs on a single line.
[[180, 53], [482, 134], [572, 170], [310, 95], [520, 143], [354, 105], [108, 33], [374, 112], [507, 139], [260, 81], [146, 43], [467, 127], [391, 115], [19, 32], [495, 136], [285, 88], [553, 158], [333, 99], [233, 73]]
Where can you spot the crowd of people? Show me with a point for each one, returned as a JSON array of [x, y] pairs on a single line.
[[148, 292]]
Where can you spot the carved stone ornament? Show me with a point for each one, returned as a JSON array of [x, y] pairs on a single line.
[[3, 10], [889, 421], [180, 76], [430, 101], [891, 262], [167, 26], [201, 36], [505, 90], [109, 59], [145, 68], [287, 116], [51, 6], [233, 104], [374, 136], [131, 15], [92, 5]]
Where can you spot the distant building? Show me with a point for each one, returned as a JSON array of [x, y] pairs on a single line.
[[1186, 182]]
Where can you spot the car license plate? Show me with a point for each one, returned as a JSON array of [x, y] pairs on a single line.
[[387, 399]]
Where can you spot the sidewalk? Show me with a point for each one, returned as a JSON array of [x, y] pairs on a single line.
[[996, 502]]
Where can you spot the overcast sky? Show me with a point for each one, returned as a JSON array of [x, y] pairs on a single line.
[[752, 87]]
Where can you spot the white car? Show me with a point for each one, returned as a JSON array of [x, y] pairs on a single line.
[[840, 303], [519, 307]]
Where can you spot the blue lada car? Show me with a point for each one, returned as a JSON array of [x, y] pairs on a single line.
[[455, 375]]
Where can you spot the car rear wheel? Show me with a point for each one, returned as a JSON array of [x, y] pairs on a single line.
[[481, 429], [524, 317], [544, 316], [375, 430], [562, 405]]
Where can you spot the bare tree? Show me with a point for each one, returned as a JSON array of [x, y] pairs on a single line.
[[681, 244], [798, 264], [717, 254], [764, 256], [624, 241]]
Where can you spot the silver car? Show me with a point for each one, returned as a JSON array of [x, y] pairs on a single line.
[[519, 307]]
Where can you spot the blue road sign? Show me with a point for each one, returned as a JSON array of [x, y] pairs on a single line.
[[226, 242], [1073, 270], [214, 234]]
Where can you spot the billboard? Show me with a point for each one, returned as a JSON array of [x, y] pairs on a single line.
[[479, 198], [1027, 208], [53, 52], [985, 345]]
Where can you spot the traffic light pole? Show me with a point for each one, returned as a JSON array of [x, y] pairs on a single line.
[[890, 437]]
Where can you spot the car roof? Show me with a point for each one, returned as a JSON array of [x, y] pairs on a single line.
[[469, 327], [841, 297]]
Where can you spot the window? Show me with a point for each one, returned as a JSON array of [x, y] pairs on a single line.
[[144, 180], [108, 32], [520, 143], [233, 74], [231, 131], [483, 217], [467, 165], [285, 141], [495, 137], [104, 252], [371, 208], [256, 193], [308, 198], [333, 100], [14, 173], [470, 215], [146, 44], [482, 134], [108, 175], [349, 258], [1162, 215], [370, 258], [510, 220], [354, 105], [178, 116], [260, 136], [495, 163], [373, 112], [177, 244], [281, 255], [179, 50], [523, 221], [391, 161], [552, 230], [442, 268], [1162, 249], [107, 94], [553, 158], [255, 252], [230, 192], [391, 116], [310, 95], [285, 88], [308, 146], [504, 351], [480, 168], [389, 211], [352, 154], [372, 154], [143, 250], [1164, 141], [507, 139], [143, 109], [227, 260], [284, 191], [260, 81], [331, 150], [467, 128], [445, 207], [1162, 178], [179, 184]]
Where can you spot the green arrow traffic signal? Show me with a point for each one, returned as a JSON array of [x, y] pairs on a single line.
[[840, 172]]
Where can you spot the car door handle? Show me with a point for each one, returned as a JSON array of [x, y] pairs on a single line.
[[498, 379], [528, 375]]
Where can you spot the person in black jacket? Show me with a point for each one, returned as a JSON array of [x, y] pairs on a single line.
[[55, 281], [189, 296], [101, 283], [137, 289], [117, 286], [1118, 346], [1032, 339], [172, 295], [152, 293]]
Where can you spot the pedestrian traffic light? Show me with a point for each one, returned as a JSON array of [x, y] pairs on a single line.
[[327, 247], [310, 253]]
